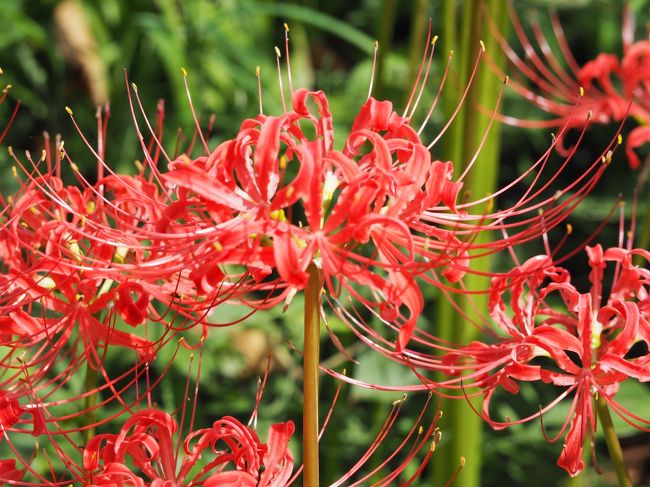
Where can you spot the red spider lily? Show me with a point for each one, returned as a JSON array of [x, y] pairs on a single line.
[[585, 348], [146, 441], [609, 87]]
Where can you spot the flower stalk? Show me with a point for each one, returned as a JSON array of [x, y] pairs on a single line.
[[613, 445], [311, 362]]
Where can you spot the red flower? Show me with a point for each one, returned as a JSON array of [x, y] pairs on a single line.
[[588, 343], [145, 453], [609, 88]]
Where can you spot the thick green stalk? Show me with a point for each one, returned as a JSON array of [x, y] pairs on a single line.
[[613, 445], [385, 37], [90, 401], [462, 426], [311, 360]]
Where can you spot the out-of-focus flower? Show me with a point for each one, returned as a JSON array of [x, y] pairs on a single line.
[[611, 88], [585, 346]]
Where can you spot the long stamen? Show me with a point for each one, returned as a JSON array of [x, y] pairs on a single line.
[[196, 120], [286, 51], [373, 70], [259, 87], [278, 55]]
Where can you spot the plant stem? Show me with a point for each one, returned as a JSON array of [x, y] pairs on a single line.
[[613, 445], [90, 401], [310, 377]]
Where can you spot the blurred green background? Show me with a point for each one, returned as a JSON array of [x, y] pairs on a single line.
[[75, 53]]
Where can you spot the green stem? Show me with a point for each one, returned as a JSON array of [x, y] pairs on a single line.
[[310, 378], [385, 37], [90, 402], [613, 445]]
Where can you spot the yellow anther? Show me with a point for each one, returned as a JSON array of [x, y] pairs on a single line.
[[569, 229], [283, 162], [135, 87], [83, 220], [217, 246], [90, 207], [10, 150], [420, 430], [589, 114], [257, 71], [14, 172], [482, 46], [619, 139], [43, 154], [1, 71], [462, 461], [277, 51], [69, 110], [345, 372], [434, 40], [506, 80], [451, 54], [376, 44], [74, 167], [278, 215], [184, 72], [582, 91], [286, 27], [181, 340], [607, 158], [6, 89], [290, 191]]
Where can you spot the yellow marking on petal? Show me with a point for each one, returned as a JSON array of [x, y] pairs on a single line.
[[283, 162], [69, 110], [582, 91], [184, 72]]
